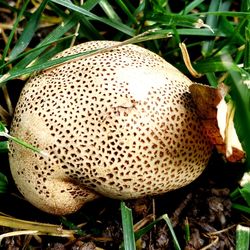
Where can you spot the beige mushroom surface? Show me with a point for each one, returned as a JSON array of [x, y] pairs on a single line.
[[120, 124]]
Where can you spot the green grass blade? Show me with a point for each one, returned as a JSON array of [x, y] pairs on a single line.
[[16, 72], [187, 231], [213, 65], [124, 7], [34, 50], [241, 208], [23, 143], [211, 21], [3, 183], [224, 13], [28, 32], [72, 226], [194, 32], [88, 30], [245, 6], [117, 25], [146, 229], [191, 6], [2, 127], [245, 193], [108, 9], [213, 81], [49, 53], [56, 9], [247, 50], [57, 33], [242, 238], [90, 4], [38, 67], [232, 33], [235, 194], [127, 226], [4, 133], [176, 243], [3, 147], [169, 19], [141, 8], [6, 49]]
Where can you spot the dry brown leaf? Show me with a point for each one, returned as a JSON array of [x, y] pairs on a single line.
[[217, 118]]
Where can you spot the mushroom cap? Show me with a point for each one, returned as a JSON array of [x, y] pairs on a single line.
[[120, 123]]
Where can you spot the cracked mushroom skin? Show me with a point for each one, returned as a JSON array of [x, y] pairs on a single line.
[[120, 124]]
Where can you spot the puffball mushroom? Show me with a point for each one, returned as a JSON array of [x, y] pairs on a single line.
[[119, 123]]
